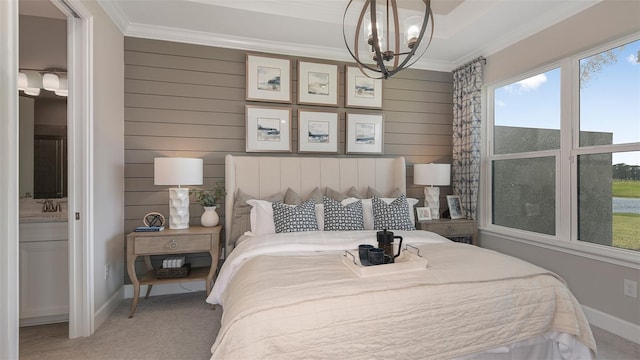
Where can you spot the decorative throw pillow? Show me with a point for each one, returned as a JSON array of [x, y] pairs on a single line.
[[261, 217], [371, 192], [292, 198], [316, 195], [338, 217], [289, 218], [367, 209], [333, 194], [393, 216], [354, 193], [240, 221]]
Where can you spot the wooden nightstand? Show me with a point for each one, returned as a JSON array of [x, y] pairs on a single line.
[[192, 240], [451, 228]]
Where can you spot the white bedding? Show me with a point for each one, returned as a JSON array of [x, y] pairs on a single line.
[[289, 296]]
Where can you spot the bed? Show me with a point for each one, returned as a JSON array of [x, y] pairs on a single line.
[[291, 295]]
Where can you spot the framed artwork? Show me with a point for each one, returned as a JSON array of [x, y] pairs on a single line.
[[317, 131], [317, 84], [364, 134], [424, 213], [268, 79], [268, 129], [362, 91], [455, 206]]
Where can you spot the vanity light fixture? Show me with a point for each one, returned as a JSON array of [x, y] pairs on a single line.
[[377, 34], [31, 81]]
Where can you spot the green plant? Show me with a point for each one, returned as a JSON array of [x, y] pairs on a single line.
[[208, 197]]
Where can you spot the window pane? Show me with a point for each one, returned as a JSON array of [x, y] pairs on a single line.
[[527, 114], [609, 199], [610, 96], [524, 194]]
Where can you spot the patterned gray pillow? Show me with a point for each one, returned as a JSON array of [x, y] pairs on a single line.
[[287, 218], [338, 217], [394, 216]]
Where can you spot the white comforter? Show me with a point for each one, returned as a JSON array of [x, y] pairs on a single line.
[[289, 296]]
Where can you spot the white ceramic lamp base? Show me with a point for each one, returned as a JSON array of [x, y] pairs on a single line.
[[432, 200], [178, 208]]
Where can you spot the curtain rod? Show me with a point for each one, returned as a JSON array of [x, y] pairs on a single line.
[[480, 58]]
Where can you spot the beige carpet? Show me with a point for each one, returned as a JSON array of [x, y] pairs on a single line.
[[179, 326], [183, 327]]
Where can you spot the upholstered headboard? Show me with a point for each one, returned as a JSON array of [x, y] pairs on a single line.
[[263, 176]]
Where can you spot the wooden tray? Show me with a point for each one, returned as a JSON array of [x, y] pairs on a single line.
[[406, 262]]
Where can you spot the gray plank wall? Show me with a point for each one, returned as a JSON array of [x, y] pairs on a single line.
[[189, 100]]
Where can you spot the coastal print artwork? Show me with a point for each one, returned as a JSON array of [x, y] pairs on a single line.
[[268, 129], [365, 87], [317, 131], [364, 133], [362, 91], [318, 83], [268, 78]]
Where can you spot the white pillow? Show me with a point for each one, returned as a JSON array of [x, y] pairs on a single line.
[[367, 209], [261, 217]]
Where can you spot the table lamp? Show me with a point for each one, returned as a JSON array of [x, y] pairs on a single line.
[[178, 171], [432, 174]]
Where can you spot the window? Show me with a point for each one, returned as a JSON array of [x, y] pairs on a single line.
[[567, 167]]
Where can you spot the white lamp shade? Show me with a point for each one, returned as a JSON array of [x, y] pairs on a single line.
[[32, 91], [432, 174], [50, 82], [177, 171]]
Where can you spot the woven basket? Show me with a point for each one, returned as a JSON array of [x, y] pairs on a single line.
[[171, 273]]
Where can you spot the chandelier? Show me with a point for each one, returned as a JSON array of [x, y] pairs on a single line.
[[378, 42]]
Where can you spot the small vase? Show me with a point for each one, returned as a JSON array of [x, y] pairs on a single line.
[[209, 216]]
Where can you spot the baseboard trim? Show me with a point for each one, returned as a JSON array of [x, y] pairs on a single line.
[[166, 289], [107, 308], [613, 324], [43, 320]]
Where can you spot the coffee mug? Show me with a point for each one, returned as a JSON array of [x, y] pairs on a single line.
[[363, 251], [377, 256]]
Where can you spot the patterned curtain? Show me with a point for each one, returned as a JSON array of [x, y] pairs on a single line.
[[467, 83]]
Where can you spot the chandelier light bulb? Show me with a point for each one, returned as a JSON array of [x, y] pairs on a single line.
[[412, 27]]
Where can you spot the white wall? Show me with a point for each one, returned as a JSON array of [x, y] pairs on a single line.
[[596, 284], [108, 162]]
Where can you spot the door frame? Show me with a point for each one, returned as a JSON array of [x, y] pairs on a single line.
[[80, 171], [80, 127]]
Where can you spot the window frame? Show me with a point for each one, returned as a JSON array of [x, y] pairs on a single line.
[[566, 234]]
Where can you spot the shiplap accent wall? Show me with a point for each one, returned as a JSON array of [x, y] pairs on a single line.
[[189, 100]]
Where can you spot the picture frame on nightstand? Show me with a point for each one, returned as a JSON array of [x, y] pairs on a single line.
[[424, 213]]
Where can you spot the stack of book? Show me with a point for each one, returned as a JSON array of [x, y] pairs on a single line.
[[149, 228]]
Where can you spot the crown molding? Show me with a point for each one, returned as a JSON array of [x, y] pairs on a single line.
[[258, 45]]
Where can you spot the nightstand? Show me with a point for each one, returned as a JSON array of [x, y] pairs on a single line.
[[449, 228], [169, 242]]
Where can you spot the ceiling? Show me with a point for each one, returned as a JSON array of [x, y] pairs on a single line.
[[464, 29]]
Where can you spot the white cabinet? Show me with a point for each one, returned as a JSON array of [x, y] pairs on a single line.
[[44, 274]]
